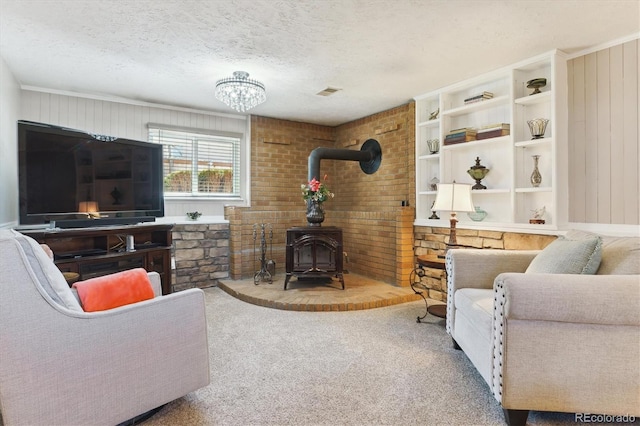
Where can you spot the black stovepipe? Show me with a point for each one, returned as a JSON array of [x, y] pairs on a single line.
[[369, 156]]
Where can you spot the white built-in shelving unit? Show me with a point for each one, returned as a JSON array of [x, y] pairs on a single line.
[[510, 198]]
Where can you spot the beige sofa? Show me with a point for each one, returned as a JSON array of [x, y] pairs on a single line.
[[60, 365], [550, 342]]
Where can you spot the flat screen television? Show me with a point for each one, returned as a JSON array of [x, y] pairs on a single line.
[[72, 177]]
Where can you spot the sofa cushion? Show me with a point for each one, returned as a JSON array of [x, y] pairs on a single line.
[[114, 290], [568, 256], [477, 304], [48, 275], [620, 255]]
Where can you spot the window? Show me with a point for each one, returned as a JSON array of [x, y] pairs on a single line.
[[199, 164]]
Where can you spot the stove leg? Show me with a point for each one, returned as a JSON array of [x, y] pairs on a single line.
[[286, 281]]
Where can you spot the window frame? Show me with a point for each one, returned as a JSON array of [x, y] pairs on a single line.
[[242, 164]]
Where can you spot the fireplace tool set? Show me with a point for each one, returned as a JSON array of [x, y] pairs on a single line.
[[267, 267]]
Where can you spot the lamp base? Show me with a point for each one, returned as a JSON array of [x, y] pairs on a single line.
[[452, 235], [478, 185]]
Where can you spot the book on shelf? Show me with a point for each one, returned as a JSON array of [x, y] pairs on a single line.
[[494, 133], [463, 130], [494, 127], [459, 139], [458, 135], [473, 101], [481, 97]]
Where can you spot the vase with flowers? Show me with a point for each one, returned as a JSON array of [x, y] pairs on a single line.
[[315, 193]]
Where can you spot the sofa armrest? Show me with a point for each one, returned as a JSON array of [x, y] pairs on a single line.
[[556, 335], [475, 268], [478, 268], [156, 283], [587, 299]]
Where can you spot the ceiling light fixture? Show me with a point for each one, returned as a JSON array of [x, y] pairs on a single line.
[[240, 92]]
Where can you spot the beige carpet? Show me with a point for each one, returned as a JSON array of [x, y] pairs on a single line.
[[368, 367]]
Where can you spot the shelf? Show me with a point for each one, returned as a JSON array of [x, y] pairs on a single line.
[[533, 142], [477, 143], [491, 191], [509, 198], [488, 225], [531, 226], [476, 106], [534, 99], [429, 157], [539, 189], [443, 222], [430, 123]]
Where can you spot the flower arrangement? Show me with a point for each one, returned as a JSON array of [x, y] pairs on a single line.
[[316, 191], [194, 215]]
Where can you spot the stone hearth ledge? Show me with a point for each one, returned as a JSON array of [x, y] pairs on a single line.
[[184, 220]]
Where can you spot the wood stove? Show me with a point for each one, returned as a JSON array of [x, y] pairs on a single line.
[[314, 252]]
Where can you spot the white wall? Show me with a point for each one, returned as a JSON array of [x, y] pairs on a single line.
[[9, 110], [129, 120], [604, 152]]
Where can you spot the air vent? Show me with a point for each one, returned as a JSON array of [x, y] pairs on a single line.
[[328, 91]]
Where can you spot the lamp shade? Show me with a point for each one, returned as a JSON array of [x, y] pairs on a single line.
[[88, 207], [453, 197]]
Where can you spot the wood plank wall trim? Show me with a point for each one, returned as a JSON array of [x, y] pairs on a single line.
[[604, 153]]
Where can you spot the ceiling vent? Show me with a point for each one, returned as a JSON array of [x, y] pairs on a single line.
[[328, 91]]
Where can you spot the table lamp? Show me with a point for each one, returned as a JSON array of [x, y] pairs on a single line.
[[90, 208], [453, 197]]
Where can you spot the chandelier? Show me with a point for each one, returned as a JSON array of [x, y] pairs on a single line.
[[240, 92]]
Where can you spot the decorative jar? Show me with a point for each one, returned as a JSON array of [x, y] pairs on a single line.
[[478, 172], [434, 145], [477, 215], [315, 213], [536, 177], [538, 127]]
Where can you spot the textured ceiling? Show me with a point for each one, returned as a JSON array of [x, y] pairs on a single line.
[[380, 53]]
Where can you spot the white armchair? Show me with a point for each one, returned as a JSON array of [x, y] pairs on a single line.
[[61, 365], [550, 341]]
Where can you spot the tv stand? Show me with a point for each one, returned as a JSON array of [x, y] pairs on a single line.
[[95, 251], [103, 221]]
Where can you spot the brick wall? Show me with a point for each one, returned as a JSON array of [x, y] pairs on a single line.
[[394, 181], [377, 244], [244, 250], [377, 230], [279, 152]]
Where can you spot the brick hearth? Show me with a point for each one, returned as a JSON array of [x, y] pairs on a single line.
[[359, 293]]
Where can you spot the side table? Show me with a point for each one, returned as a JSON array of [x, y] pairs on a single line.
[[427, 261]]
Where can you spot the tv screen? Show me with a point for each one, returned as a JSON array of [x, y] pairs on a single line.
[[66, 174]]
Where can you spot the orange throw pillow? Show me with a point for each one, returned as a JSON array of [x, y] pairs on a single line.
[[111, 291]]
